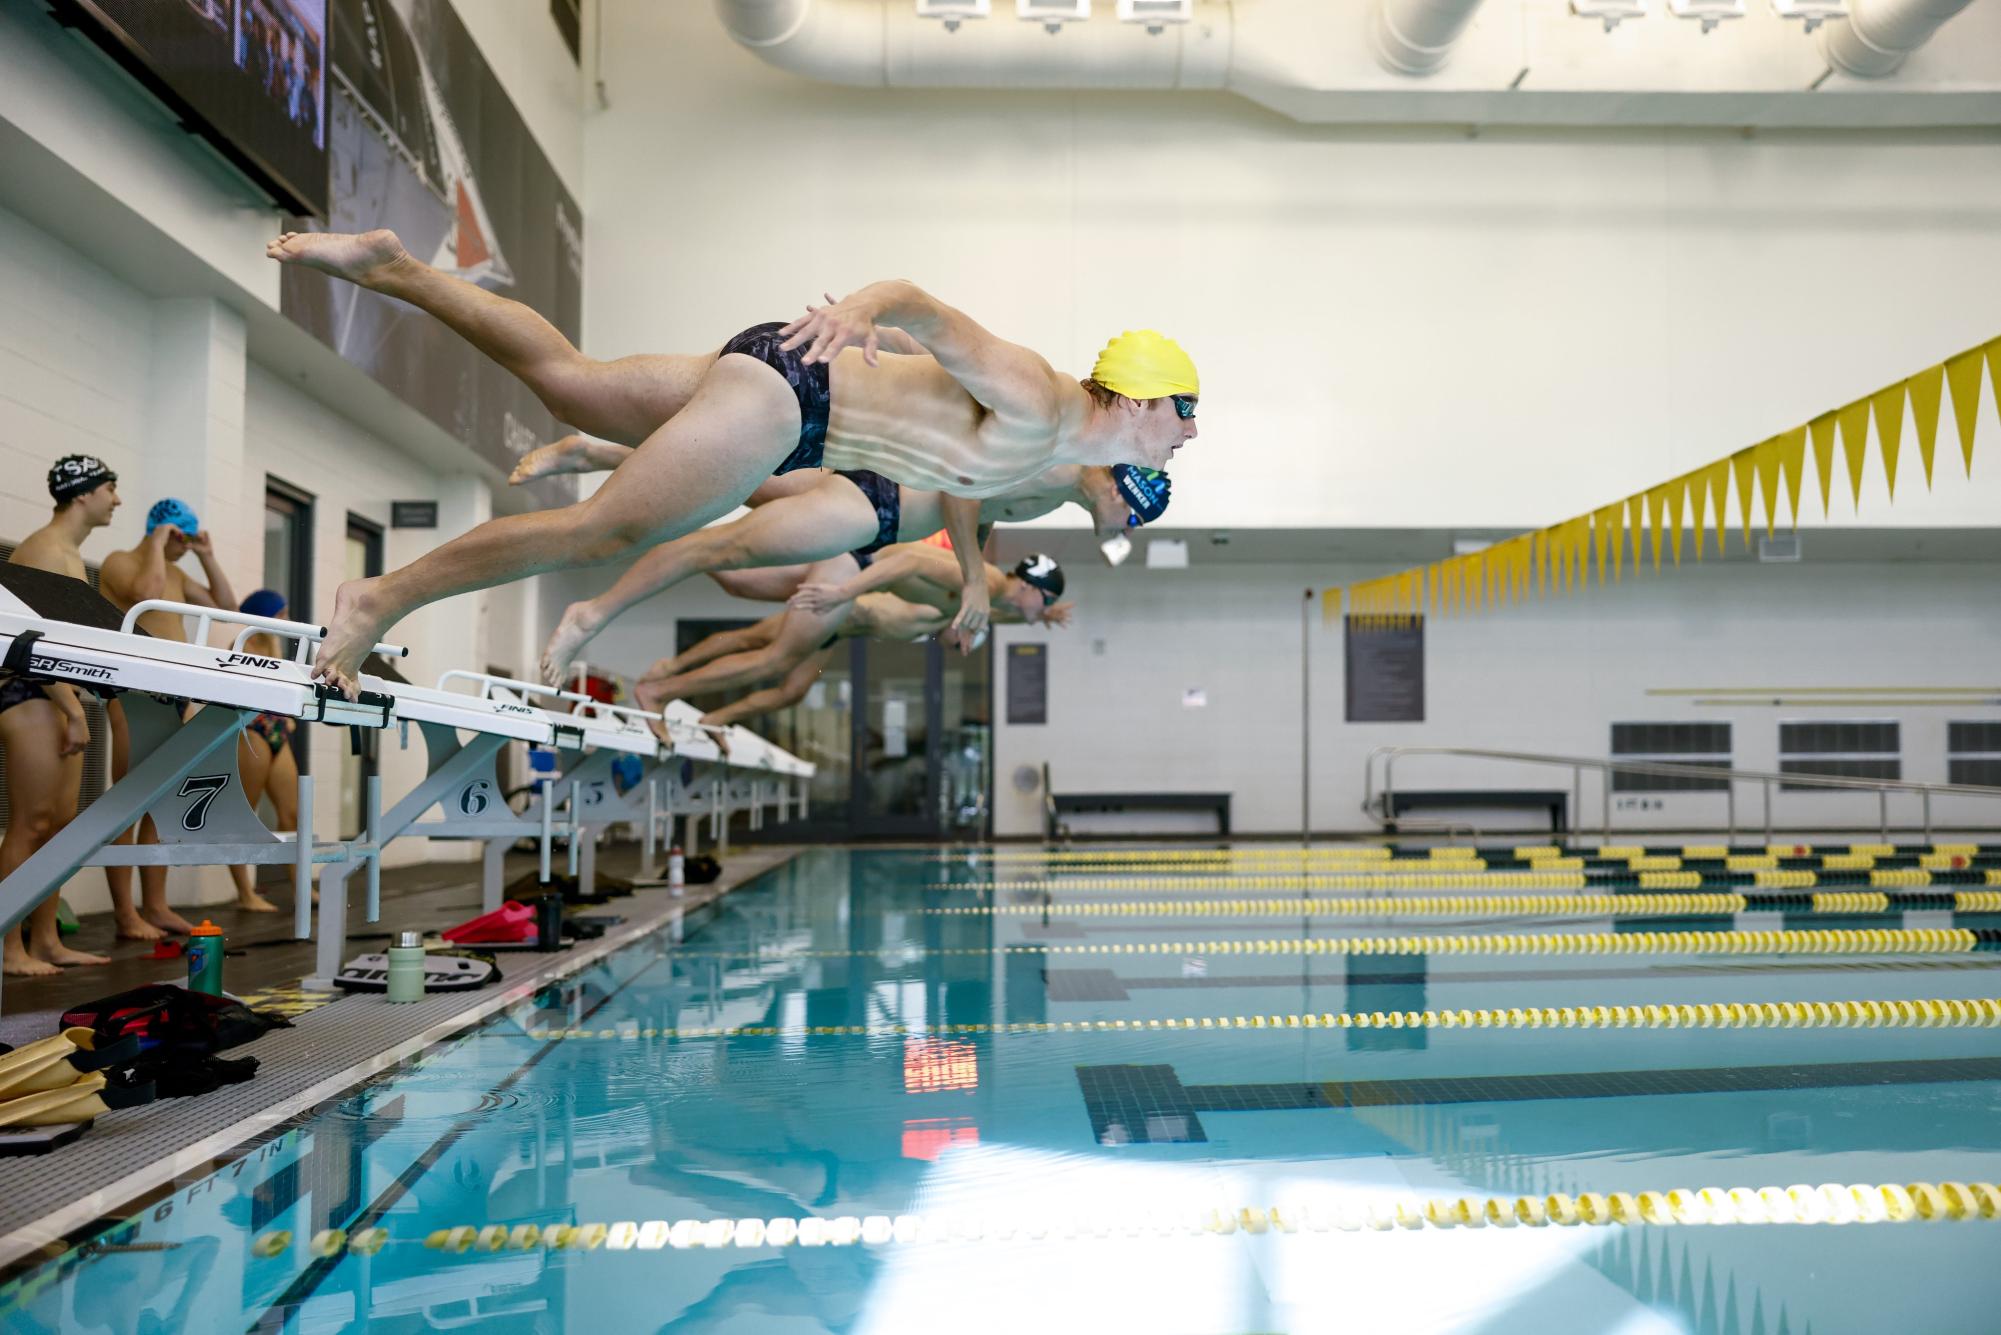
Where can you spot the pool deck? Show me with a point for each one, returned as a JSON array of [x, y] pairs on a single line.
[[128, 1157]]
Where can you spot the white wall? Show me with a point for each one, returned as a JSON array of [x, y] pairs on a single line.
[[1548, 677], [295, 439], [1395, 327]]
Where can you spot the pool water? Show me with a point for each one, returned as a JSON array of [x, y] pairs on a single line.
[[943, 1117]]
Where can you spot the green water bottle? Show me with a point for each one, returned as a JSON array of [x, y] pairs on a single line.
[[406, 967], [205, 959]]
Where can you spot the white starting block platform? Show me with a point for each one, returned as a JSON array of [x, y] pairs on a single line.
[[183, 765]]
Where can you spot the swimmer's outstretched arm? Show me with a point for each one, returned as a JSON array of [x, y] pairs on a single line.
[[883, 572], [962, 526]]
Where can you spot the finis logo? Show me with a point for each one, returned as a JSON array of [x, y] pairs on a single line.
[[247, 660]]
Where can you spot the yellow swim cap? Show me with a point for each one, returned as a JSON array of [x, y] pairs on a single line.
[[1145, 364]]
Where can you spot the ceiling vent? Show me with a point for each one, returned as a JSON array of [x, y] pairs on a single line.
[[954, 12], [1156, 14], [1053, 14], [1812, 12], [1707, 12], [1610, 12]]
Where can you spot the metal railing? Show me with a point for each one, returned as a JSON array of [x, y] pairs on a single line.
[[1379, 805]]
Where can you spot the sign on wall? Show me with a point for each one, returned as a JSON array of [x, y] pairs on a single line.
[[413, 514], [1385, 669], [1028, 683]]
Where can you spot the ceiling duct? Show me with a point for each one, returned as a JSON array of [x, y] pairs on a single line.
[[1311, 60], [1878, 35], [1415, 36]]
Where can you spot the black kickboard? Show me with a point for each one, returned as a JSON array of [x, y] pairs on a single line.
[[60, 598], [16, 1141]]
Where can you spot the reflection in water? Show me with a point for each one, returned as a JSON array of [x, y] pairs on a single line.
[[1021, 1145]]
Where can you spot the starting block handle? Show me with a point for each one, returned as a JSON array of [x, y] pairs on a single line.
[[487, 681], [206, 617], [597, 707]]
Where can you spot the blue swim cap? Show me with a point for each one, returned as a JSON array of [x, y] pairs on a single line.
[[177, 513], [264, 603], [1145, 490]]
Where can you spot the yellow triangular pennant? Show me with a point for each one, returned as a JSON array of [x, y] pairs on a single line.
[[1657, 499], [1994, 373], [1742, 464], [1601, 535], [1580, 548], [1768, 459], [1636, 522], [1697, 485], [1927, 387], [1962, 377], [1330, 606], [1889, 405], [1539, 544], [1677, 491], [1717, 475], [1822, 428], [1854, 421], [1614, 516], [1792, 459]]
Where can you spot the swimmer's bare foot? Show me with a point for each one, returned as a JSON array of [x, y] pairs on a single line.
[[363, 258], [571, 454], [132, 927], [579, 624], [62, 956], [254, 903], [351, 634], [169, 922], [16, 962]]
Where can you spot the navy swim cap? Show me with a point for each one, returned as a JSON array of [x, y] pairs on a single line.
[[264, 603], [1145, 490], [177, 513], [76, 475], [1042, 574]]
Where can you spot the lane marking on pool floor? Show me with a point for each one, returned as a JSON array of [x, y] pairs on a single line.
[[1701, 1207], [1927, 1013]]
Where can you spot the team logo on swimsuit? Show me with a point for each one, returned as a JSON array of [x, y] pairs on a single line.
[[88, 671], [248, 660]]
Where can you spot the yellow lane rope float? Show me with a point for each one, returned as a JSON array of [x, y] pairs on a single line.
[[1932, 1013], [1785, 941], [1378, 852], [1829, 1203], [1480, 906], [1897, 878]]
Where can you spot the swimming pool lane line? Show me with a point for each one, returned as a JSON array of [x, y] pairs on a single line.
[[1524, 852], [1830, 1203], [307, 1281], [1781, 941], [1642, 905], [1905, 878], [1927, 1013]]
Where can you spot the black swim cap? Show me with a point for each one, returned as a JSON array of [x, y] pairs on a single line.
[[1042, 574], [76, 475]]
